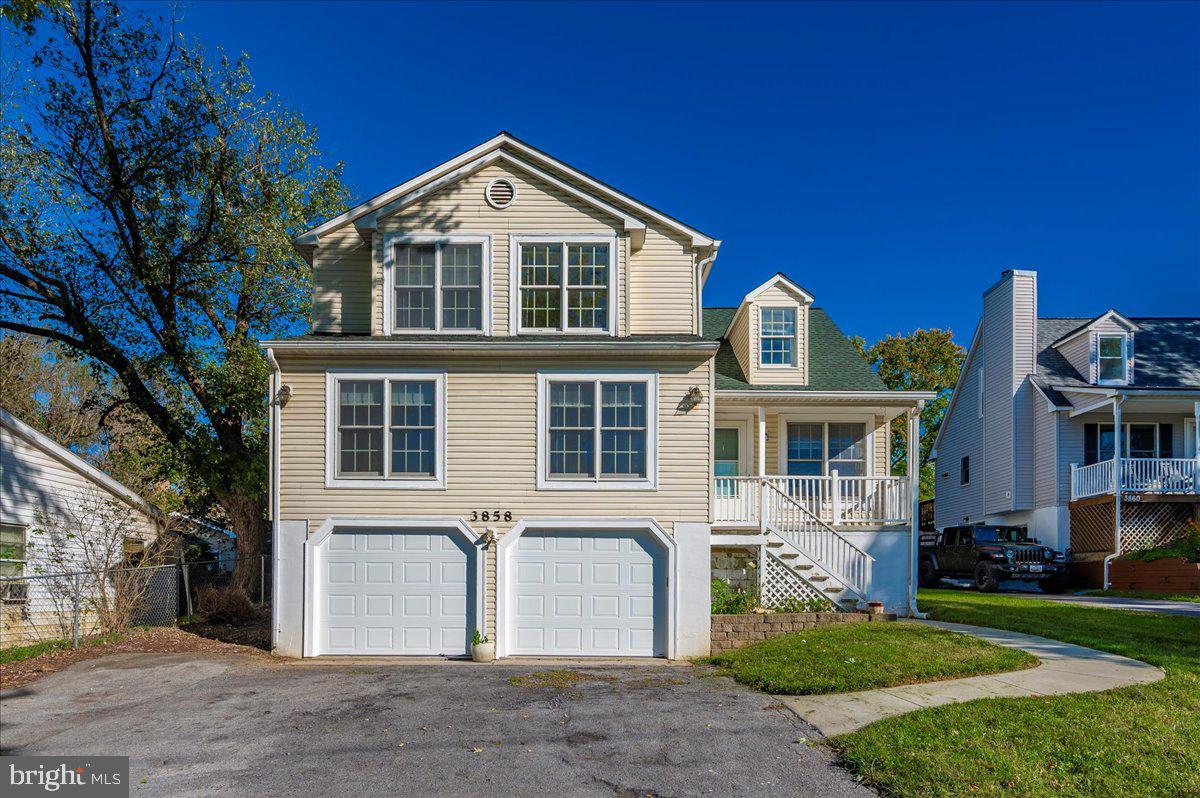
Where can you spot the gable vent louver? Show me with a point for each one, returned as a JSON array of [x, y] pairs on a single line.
[[500, 193]]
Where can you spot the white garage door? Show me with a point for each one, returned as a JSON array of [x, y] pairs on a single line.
[[587, 594], [395, 592]]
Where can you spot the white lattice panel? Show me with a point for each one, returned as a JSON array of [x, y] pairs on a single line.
[[1153, 524], [780, 583]]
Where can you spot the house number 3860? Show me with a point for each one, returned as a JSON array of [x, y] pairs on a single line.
[[491, 515]]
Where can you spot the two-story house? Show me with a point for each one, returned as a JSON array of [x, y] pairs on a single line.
[[1082, 429], [505, 418]]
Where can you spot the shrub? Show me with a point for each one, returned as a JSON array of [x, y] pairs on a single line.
[[1187, 547], [730, 600], [228, 605]]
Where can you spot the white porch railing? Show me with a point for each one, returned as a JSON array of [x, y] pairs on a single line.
[[1138, 475], [816, 540], [833, 499]]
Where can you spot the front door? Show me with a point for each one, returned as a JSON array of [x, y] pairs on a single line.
[[726, 463]]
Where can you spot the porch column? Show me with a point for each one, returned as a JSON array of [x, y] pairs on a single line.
[[914, 501], [1116, 487], [762, 442]]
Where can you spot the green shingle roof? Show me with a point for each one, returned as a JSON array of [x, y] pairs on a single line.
[[834, 364]]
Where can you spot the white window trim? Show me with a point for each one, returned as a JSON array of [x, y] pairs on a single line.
[[390, 240], [514, 281], [544, 482], [827, 418], [965, 459], [332, 480], [1126, 359], [795, 364], [24, 529]]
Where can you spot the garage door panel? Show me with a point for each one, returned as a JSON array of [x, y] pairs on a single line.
[[581, 593], [396, 592]]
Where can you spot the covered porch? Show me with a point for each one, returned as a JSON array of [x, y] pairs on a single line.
[[1138, 442], [831, 455]]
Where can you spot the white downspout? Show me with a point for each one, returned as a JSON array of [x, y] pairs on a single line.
[[914, 486], [700, 264], [1117, 483], [273, 405]]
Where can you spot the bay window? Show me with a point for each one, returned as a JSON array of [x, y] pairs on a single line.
[[564, 284], [598, 430], [436, 283], [385, 430]]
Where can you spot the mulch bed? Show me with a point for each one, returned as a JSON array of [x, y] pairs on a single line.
[[160, 640], [256, 633]]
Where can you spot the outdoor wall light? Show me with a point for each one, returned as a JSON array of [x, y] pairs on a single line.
[[282, 395], [694, 397]]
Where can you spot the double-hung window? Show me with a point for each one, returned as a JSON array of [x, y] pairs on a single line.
[[777, 336], [12, 550], [597, 430], [1110, 360], [437, 284], [564, 284], [386, 430]]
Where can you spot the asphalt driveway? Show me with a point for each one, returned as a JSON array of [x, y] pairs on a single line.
[[197, 725]]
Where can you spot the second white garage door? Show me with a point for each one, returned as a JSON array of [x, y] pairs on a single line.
[[587, 594]]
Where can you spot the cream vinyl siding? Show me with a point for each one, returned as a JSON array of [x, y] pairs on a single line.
[[342, 284], [657, 283], [491, 439], [775, 296], [738, 336]]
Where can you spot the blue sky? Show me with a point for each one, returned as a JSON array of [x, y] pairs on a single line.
[[891, 158]]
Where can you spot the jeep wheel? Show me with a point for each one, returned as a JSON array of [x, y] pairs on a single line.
[[927, 576], [985, 578], [1053, 584]]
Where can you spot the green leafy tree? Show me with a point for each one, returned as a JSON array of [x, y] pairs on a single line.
[[148, 195], [924, 360]]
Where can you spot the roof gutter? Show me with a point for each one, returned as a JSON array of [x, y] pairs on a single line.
[[908, 396], [342, 347]]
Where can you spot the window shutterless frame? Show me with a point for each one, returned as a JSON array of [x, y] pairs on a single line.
[[12, 549], [1120, 357], [387, 480], [763, 311], [564, 285], [597, 481], [439, 240]]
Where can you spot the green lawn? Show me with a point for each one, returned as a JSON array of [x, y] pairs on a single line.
[[862, 656], [1144, 594], [18, 653], [1136, 741]]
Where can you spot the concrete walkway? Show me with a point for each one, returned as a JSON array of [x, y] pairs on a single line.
[[1139, 605], [1064, 668]]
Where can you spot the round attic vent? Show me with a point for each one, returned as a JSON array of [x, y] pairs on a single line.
[[500, 193]]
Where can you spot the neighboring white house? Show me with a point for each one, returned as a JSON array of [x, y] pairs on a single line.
[[1082, 429], [512, 414], [40, 479]]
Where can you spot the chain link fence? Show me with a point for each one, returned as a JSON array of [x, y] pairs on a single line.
[[75, 606]]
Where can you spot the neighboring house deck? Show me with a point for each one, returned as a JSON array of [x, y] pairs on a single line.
[[511, 392], [1083, 429]]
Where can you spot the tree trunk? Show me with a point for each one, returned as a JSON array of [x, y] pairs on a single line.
[[249, 522]]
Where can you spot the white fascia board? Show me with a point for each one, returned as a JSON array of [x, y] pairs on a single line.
[[778, 279], [896, 397], [77, 464], [594, 188], [600, 344], [1110, 314]]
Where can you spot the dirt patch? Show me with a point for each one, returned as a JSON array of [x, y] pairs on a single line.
[[256, 633], [560, 679], [161, 640]]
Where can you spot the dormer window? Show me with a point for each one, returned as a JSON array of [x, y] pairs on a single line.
[[1111, 361], [777, 337]]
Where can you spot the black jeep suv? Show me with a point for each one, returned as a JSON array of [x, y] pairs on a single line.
[[991, 555]]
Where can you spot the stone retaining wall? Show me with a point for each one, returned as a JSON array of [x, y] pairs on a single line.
[[735, 631]]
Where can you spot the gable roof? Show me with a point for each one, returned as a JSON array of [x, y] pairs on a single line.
[[1087, 325], [76, 463], [507, 147], [833, 362], [1166, 352], [782, 279]]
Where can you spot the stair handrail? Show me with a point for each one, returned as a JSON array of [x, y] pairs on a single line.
[[816, 519], [853, 572]]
